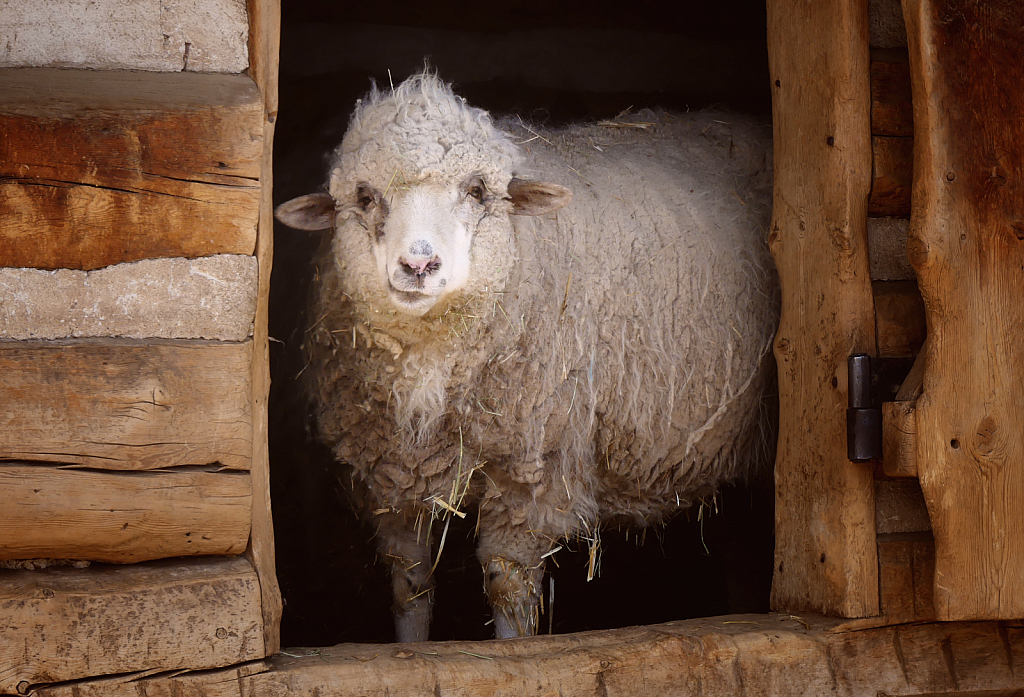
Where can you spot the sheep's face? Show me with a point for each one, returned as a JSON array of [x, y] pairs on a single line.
[[422, 238], [428, 241]]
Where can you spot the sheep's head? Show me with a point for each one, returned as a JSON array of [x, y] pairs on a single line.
[[419, 199]]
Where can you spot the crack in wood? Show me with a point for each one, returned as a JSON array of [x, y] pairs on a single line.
[[60, 184], [897, 645], [211, 468], [1004, 636], [947, 655]]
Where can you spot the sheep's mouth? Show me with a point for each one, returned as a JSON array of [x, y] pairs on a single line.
[[409, 296], [411, 300]]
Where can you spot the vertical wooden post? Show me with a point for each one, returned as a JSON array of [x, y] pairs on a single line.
[[825, 554], [967, 246], [264, 45]]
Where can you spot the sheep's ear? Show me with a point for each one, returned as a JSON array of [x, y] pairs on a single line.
[[310, 212], [536, 198]]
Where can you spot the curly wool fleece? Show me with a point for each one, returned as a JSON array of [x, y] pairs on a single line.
[[420, 132]]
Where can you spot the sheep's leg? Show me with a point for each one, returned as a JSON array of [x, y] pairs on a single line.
[[411, 585], [512, 557]]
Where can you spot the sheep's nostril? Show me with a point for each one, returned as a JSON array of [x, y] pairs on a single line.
[[422, 267]]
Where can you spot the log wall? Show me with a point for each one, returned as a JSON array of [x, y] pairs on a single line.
[[134, 270]]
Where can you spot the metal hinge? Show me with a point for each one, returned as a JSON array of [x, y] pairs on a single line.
[[871, 382]]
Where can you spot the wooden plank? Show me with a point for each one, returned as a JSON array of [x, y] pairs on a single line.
[[892, 107], [264, 48], [740, 655], [98, 168], [65, 624], [207, 298], [885, 24], [122, 517], [167, 35], [900, 507], [887, 246], [899, 439], [824, 530], [899, 318], [906, 574], [125, 404], [966, 246], [892, 176]]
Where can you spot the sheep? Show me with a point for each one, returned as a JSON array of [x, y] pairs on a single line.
[[478, 341]]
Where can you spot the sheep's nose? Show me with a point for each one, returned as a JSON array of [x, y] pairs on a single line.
[[420, 267], [421, 248]]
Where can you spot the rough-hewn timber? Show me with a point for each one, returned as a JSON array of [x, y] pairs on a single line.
[[967, 246], [122, 517], [64, 623], [126, 404], [737, 656], [98, 168], [825, 528]]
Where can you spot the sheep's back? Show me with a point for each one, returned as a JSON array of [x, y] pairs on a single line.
[[661, 302]]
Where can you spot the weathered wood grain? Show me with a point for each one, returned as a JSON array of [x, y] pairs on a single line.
[[824, 531], [906, 575], [207, 298], [892, 106], [122, 517], [892, 176], [887, 246], [167, 35], [125, 404], [885, 24], [734, 656], [967, 246], [65, 624], [264, 43], [899, 438], [900, 507], [900, 327], [98, 168]]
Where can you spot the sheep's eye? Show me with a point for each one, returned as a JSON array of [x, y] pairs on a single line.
[[476, 192], [365, 197]]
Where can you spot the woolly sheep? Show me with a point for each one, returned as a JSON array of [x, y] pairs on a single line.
[[478, 342]]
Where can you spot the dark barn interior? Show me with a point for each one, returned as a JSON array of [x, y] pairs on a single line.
[[550, 63]]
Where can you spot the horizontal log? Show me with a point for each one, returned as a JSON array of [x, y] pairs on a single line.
[[892, 175], [900, 507], [98, 168], [65, 624], [900, 327], [887, 250], [906, 577], [125, 404], [892, 107], [208, 35], [122, 517], [208, 298], [739, 655]]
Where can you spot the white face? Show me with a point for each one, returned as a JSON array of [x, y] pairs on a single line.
[[421, 236]]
